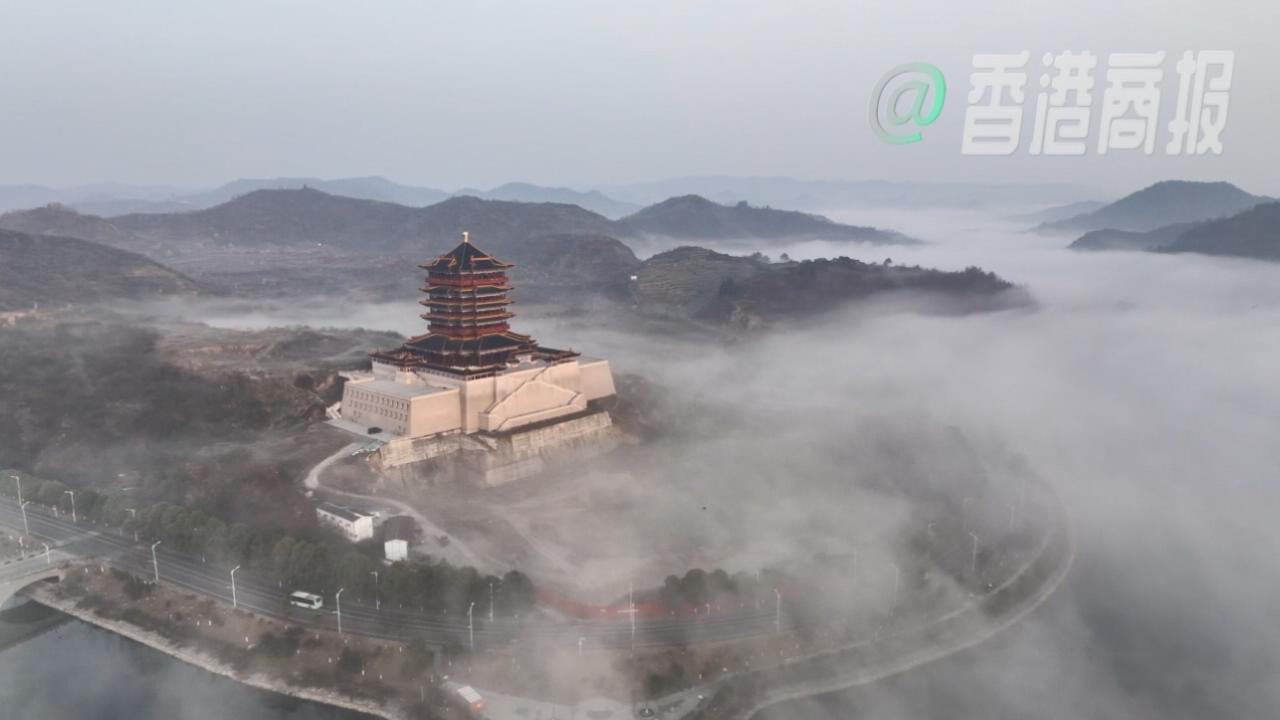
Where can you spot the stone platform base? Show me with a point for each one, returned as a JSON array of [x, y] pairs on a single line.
[[497, 458]]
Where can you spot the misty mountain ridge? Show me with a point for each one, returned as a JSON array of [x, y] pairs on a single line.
[[53, 270], [310, 217], [612, 201], [750, 292], [1165, 203], [1254, 234], [1109, 239], [697, 218], [1059, 212], [592, 200], [823, 195]]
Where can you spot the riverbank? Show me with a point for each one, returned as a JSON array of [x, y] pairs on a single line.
[[46, 595]]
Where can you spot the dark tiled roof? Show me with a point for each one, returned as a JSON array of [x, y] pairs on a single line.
[[465, 258], [438, 343], [342, 511]]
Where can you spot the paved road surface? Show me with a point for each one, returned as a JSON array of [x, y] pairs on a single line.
[[267, 598]]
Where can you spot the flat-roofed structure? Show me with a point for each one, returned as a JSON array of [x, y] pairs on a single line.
[[356, 525]]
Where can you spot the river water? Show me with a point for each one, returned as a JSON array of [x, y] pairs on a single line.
[[79, 672]]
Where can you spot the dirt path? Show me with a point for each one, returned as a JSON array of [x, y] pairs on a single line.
[[455, 551]]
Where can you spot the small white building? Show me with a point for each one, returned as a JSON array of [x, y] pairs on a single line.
[[396, 550], [356, 525]]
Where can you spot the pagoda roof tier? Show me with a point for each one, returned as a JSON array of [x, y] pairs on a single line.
[[466, 284], [465, 258], [439, 343], [466, 301], [461, 288], [473, 317]]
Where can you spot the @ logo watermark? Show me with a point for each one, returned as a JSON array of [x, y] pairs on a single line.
[[910, 95]]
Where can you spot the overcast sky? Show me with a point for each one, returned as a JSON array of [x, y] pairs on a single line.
[[577, 93]]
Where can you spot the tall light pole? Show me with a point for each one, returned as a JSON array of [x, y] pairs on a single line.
[[377, 602], [26, 530], [155, 562], [18, 480], [490, 601], [47, 560], [471, 628], [973, 564], [777, 610], [631, 608], [72, 493], [338, 599], [234, 603]]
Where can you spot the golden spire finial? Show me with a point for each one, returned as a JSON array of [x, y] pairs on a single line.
[[466, 237]]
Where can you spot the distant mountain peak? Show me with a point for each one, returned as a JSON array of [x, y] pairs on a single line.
[[696, 217], [1163, 203]]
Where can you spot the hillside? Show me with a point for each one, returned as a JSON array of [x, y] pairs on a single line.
[[363, 188], [1059, 212], [591, 200], [1254, 233], [686, 281], [273, 218], [62, 221], [57, 271], [797, 291], [281, 217], [1130, 239], [694, 282], [582, 262], [696, 218], [1164, 203]]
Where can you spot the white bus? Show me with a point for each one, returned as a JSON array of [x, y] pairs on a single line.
[[306, 600]]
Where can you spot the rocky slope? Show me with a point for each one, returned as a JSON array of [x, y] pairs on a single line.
[[58, 271]]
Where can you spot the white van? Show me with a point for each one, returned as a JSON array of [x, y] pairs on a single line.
[[306, 600]]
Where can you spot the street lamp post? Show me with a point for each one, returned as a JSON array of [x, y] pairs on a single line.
[[338, 600], [973, 563], [26, 529], [471, 628], [72, 493], [377, 602], [18, 480], [234, 602], [490, 601], [47, 560], [777, 611], [155, 561]]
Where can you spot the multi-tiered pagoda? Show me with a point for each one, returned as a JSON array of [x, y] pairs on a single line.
[[467, 314], [470, 372]]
